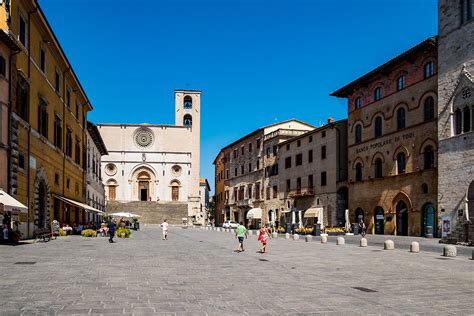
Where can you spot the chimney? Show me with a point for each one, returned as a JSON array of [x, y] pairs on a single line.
[[330, 120]]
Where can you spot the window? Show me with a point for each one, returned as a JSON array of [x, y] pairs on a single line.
[[299, 159], [310, 181], [57, 82], [428, 69], [22, 98], [267, 193], [358, 172], [428, 109], [242, 169], [235, 153], [310, 156], [42, 61], [287, 162], [258, 164], [401, 83], [3, 66], [401, 163], [249, 191], [467, 119], [58, 132], [42, 119], [227, 174], [235, 172], [22, 29], [287, 146], [257, 191], [401, 118], [275, 150], [68, 98], [68, 182], [467, 10], [258, 143], [358, 103], [77, 110], [77, 152], [56, 178], [323, 152], [428, 156], [424, 188], [298, 143], [310, 139], [458, 122], [250, 167], [21, 161], [275, 191], [323, 134], [242, 150], [187, 120], [250, 147], [298, 184], [377, 94], [288, 185], [69, 142], [188, 102], [323, 178], [378, 126], [378, 168], [358, 134], [268, 152]]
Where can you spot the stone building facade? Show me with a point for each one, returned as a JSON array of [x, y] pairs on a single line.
[[312, 176], [392, 144], [219, 191], [47, 125], [156, 163], [456, 118], [95, 191], [251, 169]]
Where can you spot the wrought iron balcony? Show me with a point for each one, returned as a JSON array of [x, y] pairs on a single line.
[[303, 192]]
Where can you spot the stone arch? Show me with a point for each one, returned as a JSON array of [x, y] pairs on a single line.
[[359, 121], [377, 155], [187, 120], [428, 142], [402, 196], [426, 95], [357, 160], [399, 149], [400, 105], [143, 180], [187, 102], [378, 113], [42, 193], [402, 207]]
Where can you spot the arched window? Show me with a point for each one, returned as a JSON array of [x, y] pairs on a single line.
[[401, 163], [401, 83], [187, 120], [358, 103], [358, 133], [428, 156], [358, 171], [401, 118], [188, 102], [466, 120], [378, 126], [429, 108], [378, 168], [428, 69], [457, 122], [377, 94]]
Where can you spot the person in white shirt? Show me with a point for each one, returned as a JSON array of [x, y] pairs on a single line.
[[164, 227]]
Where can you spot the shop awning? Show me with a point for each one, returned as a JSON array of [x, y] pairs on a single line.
[[11, 204], [78, 204], [255, 213], [313, 212]]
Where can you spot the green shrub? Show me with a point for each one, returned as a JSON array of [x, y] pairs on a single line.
[[62, 232], [88, 233], [121, 230]]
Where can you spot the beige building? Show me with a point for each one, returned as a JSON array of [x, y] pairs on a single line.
[[392, 144], [312, 177], [250, 168]]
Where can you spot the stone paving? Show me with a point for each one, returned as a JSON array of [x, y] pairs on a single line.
[[197, 272]]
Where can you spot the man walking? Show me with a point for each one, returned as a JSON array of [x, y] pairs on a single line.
[[112, 227], [164, 227], [241, 233]]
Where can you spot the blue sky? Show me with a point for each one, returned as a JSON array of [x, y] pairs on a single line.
[[255, 61]]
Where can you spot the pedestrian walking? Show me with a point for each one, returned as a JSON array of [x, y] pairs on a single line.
[[241, 233], [263, 238], [362, 227], [164, 227], [112, 227]]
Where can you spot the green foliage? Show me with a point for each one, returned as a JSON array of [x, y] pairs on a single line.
[[106, 218], [121, 230], [62, 232], [88, 233]]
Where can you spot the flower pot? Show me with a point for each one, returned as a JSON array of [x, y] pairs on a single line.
[[122, 235]]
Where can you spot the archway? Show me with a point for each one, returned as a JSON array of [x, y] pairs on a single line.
[[402, 219], [143, 183], [42, 205], [470, 201], [429, 219], [41, 199], [379, 221], [143, 179], [342, 205]]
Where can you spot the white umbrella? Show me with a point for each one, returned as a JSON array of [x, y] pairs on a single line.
[[124, 214], [10, 203], [347, 224]]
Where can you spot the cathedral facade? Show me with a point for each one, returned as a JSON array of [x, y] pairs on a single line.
[[156, 164]]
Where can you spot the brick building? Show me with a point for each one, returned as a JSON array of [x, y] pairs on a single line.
[[456, 118], [392, 144]]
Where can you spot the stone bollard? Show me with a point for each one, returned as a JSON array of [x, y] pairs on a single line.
[[340, 241], [324, 239], [296, 237], [287, 236], [450, 251], [308, 238], [218, 229], [414, 247], [388, 245], [275, 235], [363, 242], [227, 230], [250, 232]]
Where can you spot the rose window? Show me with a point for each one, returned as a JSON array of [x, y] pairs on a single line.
[[143, 138]]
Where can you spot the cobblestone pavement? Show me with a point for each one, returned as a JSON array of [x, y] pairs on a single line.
[[196, 272]]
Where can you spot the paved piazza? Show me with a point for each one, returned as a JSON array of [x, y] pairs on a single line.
[[197, 272]]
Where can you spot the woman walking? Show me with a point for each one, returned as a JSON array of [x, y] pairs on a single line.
[[263, 237]]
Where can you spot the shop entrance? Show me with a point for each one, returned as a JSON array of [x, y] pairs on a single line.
[[379, 221], [429, 215], [402, 219]]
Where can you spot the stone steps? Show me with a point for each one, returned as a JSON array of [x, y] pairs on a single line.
[[152, 212]]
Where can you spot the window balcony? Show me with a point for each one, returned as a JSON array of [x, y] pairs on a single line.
[[303, 192]]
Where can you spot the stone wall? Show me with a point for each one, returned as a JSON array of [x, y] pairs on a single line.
[[152, 212]]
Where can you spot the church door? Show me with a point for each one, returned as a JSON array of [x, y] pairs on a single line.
[[143, 187], [175, 193]]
